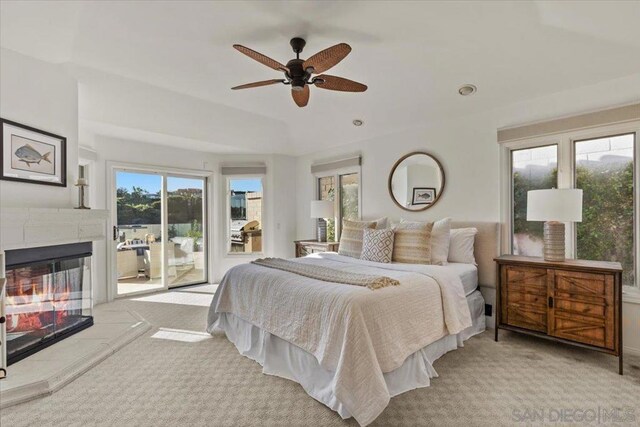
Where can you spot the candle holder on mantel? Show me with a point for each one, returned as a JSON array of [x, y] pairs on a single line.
[[81, 184]]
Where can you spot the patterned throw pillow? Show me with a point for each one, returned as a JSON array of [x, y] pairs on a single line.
[[377, 245], [351, 237], [412, 242]]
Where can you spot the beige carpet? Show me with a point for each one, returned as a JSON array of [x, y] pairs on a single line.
[[189, 378]]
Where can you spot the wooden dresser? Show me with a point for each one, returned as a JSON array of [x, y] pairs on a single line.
[[576, 302], [306, 247]]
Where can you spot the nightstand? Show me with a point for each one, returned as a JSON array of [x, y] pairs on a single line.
[[576, 302], [306, 247]]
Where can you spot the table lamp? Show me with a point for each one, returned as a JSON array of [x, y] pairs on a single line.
[[555, 207], [322, 209]]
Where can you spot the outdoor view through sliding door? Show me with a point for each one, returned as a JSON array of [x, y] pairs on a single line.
[[141, 228], [186, 222], [139, 232]]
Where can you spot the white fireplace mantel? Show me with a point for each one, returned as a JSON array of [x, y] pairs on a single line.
[[33, 227]]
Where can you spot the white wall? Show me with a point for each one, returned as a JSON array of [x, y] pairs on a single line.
[[467, 148], [469, 155], [44, 96], [279, 199]]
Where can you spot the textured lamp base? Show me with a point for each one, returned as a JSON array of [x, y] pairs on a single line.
[[554, 241], [322, 230]]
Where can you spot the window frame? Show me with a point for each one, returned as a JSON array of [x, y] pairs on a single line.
[[566, 179], [227, 215], [336, 174]]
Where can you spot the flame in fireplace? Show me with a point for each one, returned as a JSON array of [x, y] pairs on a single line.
[[38, 304]]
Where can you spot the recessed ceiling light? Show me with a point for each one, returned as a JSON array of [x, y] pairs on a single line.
[[358, 122], [467, 90]]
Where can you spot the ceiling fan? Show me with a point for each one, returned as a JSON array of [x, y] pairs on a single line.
[[298, 72]]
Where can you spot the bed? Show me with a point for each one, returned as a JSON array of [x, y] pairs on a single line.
[[350, 347]]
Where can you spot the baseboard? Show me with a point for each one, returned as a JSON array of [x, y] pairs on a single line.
[[631, 351]]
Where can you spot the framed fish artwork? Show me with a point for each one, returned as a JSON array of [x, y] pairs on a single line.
[[423, 195], [32, 155]]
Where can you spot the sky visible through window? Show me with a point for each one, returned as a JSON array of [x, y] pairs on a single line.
[[152, 183], [252, 184]]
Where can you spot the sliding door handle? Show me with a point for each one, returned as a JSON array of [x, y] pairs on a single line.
[[115, 233]]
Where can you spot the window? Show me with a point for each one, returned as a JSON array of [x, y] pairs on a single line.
[[245, 215], [327, 191], [604, 172], [344, 189], [600, 161], [349, 189], [531, 169]]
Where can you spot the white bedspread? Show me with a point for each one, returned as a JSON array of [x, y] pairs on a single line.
[[355, 332]]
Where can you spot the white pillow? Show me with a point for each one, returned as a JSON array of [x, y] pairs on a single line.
[[461, 245], [439, 240], [381, 223]]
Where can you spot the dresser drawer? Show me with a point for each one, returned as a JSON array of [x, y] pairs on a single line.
[[524, 297]]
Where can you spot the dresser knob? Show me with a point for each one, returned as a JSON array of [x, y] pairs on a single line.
[[2, 320]]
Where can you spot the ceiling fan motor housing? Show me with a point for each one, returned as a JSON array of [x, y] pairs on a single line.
[[297, 75]]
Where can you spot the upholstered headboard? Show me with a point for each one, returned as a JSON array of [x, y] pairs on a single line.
[[487, 247]]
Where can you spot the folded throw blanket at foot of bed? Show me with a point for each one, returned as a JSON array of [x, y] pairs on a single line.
[[327, 274]]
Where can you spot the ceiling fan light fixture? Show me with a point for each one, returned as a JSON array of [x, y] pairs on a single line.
[[297, 83]]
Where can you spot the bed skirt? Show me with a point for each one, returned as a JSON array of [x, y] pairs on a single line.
[[283, 359]]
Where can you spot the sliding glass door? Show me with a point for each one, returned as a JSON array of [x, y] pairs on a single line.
[[160, 231], [139, 232], [186, 232]]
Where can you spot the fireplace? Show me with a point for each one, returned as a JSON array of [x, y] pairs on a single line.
[[47, 296]]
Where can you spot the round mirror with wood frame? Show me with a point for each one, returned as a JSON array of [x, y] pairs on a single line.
[[416, 181]]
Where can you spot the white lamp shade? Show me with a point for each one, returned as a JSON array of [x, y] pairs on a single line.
[[322, 209], [563, 205]]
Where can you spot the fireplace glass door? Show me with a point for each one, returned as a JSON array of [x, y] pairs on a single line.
[[46, 301]]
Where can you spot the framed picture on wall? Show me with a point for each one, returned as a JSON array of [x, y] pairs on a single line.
[[32, 155], [423, 195]]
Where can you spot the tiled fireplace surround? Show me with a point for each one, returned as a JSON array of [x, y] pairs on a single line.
[[32, 227], [36, 227]]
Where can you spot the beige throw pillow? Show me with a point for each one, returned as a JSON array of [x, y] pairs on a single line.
[[439, 240], [351, 237], [412, 242]]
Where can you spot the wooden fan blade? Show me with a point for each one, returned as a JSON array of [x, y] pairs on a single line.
[[258, 84], [325, 81], [327, 58], [271, 63], [301, 97]]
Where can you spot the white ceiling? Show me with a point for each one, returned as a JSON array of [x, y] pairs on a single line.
[[165, 68]]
